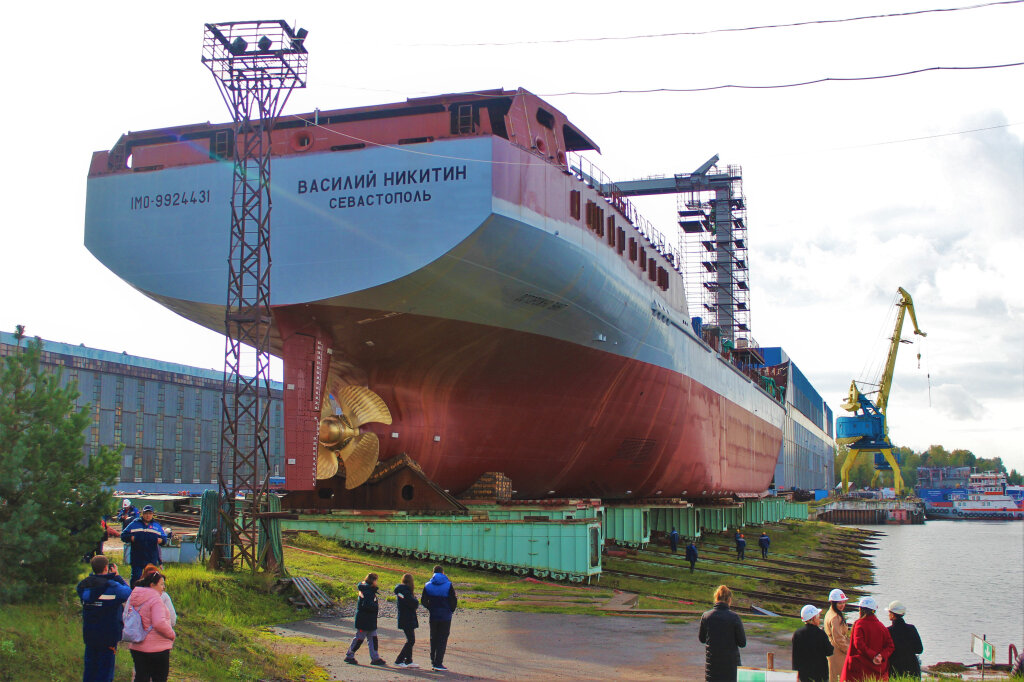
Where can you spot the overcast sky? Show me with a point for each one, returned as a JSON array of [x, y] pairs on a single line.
[[837, 218]]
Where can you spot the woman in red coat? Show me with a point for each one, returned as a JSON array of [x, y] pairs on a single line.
[[870, 646]]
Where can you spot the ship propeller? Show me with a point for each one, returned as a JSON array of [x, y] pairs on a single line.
[[340, 437]]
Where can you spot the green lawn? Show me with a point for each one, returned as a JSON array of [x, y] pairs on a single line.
[[224, 619], [219, 620]]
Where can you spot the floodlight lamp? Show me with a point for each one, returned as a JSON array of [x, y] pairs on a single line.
[[264, 44], [300, 37], [238, 46]]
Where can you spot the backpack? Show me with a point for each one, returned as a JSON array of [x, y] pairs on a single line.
[[132, 620]]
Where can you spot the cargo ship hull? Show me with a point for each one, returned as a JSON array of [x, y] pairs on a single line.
[[457, 283]]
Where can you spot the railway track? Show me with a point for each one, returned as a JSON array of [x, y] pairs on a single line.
[[763, 596], [803, 587], [782, 567]]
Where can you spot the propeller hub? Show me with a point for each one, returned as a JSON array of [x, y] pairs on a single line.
[[333, 431]]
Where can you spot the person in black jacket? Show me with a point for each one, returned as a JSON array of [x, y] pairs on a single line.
[[366, 621], [407, 620], [903, 660], [811, 647], [721, 631]]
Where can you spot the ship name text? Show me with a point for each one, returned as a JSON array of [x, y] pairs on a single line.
[[373, 180]]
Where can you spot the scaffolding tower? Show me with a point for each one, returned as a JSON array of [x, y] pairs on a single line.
[[256, 65], [717, 270]]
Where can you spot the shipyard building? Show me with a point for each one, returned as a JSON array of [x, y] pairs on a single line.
[[167, 415], [807, 458]]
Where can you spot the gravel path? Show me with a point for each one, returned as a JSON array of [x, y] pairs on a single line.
[[502, 645]]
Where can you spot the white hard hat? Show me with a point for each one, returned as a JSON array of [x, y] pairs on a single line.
[[898, 608], [126, 503], [808, 612], [867, 603], [837, 595]]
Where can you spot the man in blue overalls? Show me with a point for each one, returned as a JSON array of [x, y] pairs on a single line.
[[145, 537], [103, 595]]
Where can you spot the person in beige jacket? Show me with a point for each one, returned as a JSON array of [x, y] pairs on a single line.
[[838, 633]]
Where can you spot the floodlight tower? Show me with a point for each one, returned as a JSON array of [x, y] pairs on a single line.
[[256, 64]]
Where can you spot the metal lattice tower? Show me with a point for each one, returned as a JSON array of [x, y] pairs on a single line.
[[256, 64], [714, 223]]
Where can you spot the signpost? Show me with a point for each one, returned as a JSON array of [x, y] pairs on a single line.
[[762, 675], [982, 648]]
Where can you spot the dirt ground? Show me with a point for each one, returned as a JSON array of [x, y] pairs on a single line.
[[501, 645]]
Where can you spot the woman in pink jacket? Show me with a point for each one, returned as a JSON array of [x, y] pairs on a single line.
[[152, 656]]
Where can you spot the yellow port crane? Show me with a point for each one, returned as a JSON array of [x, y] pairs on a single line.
[[868, 431]]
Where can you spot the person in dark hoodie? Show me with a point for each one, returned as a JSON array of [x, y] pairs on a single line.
[[721, 631], [366, 622], [811, 647], [440, 600], [407, 620], [103, 595], [903, 660]]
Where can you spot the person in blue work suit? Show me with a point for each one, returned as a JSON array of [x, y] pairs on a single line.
[[103, 595], [673, 540], [691, 554], [764, 542], [145, 537], [129, 512], [741, 546]]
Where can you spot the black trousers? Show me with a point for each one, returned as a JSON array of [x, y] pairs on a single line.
[[151, 667], [405, 655], [692, 564], [764, 552], [439, 631]]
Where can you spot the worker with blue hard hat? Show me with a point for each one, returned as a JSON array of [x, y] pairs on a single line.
[[144, 536]]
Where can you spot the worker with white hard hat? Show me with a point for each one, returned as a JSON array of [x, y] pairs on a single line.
[[838, 633], [905, 638], [811, 647], [870, 646]]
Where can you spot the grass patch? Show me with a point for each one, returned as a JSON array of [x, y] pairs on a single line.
[[219, 638]]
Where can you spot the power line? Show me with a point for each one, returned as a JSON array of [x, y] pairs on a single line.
[[827, 79], [927, 137], [407, 150], [645, 36]]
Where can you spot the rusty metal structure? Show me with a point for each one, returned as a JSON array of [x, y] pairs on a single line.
[[256, 64]]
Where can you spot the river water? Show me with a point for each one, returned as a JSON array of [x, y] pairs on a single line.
[[955, 578]]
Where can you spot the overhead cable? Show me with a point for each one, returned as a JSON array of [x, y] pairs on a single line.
[[646, 36], [827, 79]]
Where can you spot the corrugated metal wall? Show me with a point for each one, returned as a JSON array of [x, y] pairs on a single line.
[[806, 458], [168, 421]]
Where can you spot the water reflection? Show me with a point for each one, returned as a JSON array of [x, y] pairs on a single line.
[[956, 578]]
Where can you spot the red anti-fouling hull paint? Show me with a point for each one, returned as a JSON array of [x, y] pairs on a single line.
[[553, 416]]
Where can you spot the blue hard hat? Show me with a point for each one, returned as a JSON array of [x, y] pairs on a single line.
[[147, 508]]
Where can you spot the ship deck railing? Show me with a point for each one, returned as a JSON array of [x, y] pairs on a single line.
[[585, 170]]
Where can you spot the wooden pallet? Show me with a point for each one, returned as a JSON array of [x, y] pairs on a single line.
[[312, 596]]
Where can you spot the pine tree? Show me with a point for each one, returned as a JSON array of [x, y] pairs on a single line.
[[51, 497]]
